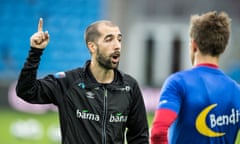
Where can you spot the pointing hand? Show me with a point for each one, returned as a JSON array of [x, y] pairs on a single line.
[[40, 39]]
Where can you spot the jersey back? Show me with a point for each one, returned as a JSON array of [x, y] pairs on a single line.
[[207, 103]]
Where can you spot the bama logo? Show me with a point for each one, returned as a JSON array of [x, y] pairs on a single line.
[[118, 117], [86, 115], [215, 120]]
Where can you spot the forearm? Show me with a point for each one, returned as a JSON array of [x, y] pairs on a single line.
[[138, 132], [27, 78], [162, 121]]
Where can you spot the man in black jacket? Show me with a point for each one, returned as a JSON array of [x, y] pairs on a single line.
[[97, 103]]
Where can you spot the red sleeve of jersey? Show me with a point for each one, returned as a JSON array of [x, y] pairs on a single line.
[[162, 120]]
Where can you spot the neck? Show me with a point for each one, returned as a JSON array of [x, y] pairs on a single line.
[[101, 74], [206, 60]]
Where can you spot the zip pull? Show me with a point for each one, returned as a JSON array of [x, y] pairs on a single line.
[[105, 92]]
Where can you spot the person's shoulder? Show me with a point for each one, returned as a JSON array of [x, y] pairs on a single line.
[[127, 77], [73, 71], [68, 73], [181, 73]]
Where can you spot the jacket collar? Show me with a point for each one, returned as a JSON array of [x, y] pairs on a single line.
[[118, 76]]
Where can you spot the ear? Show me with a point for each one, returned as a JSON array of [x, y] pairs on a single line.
[[92, 46], [194, 45]]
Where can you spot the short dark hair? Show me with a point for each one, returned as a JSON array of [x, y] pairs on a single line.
[[211, 32], [92, 33]]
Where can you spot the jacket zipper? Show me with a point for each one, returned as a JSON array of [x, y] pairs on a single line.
[[105, 107]]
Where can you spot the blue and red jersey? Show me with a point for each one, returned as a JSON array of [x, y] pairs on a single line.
[[200, 105]]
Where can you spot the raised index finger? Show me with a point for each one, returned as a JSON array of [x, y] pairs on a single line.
[[40, 25]]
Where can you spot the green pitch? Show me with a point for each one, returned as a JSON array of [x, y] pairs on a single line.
[[24, 128]]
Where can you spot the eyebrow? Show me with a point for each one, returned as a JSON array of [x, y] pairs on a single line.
[[111, 35], [119, 35]]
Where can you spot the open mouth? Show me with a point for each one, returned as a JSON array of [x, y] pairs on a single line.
[[116, 57]]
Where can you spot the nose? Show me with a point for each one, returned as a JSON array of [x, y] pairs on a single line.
[[117, 45]]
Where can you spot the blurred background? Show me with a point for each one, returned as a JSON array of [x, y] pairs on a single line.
[[155, 45]]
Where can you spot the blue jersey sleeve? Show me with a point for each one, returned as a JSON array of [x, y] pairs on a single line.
[[171, 93]]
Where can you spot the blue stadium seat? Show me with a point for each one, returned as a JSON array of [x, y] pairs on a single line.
[[65, 24]]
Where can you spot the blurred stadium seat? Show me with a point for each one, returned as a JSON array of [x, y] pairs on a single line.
[[65, 21]]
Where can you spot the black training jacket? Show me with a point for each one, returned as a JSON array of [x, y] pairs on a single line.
[[90, 112]]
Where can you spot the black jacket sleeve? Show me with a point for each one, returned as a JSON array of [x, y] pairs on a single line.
[[29, 88], [137, 124]]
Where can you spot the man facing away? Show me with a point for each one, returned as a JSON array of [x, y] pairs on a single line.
[[97, 103], [200, 105]]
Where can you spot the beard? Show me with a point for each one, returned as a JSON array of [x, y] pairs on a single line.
[[105, 61]]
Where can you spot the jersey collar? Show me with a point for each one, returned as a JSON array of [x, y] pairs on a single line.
[[208, 65]]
